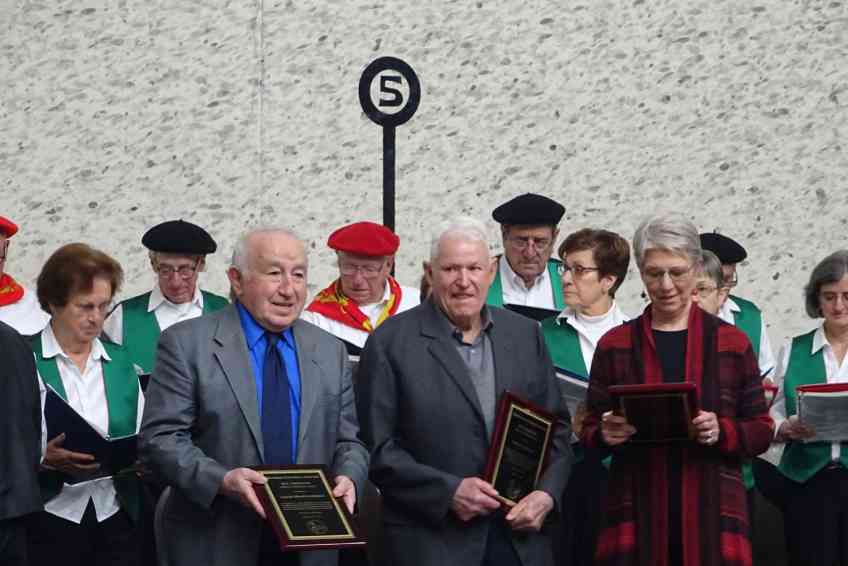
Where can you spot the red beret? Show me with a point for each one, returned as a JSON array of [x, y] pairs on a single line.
[[7, 227], [364, 238]]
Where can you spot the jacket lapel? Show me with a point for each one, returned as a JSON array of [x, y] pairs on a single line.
[[505, 370], [307, 361], [444, 351], [231, 352]]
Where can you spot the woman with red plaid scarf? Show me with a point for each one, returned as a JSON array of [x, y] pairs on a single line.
[[683, 503]]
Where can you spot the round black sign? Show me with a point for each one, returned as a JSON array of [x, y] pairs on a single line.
[[396, 76]]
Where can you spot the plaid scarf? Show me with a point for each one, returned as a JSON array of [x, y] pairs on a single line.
[[333, 304]]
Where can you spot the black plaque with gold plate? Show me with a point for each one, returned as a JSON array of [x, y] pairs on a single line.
[[520, 445], [299, 503]]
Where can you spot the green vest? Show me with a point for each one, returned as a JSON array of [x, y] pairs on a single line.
[[563, 343], [495, 296], [121, 384], [801, 460], [749, 320], [141, 330]]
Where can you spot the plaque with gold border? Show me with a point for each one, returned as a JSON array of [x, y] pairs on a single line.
[[521, 441], [299, 503]]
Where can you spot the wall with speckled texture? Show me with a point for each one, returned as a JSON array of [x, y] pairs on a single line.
[[116, 115]]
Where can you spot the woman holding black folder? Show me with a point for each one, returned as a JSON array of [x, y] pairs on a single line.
[[816, 498], [678, 502], [90, 512], [594, 265]]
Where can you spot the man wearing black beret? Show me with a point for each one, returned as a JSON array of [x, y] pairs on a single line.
[[526, 274], [740, 312], [177, 251]]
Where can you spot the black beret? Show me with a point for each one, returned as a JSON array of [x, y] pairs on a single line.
[[179, 237], [727, 249], [529, 208]]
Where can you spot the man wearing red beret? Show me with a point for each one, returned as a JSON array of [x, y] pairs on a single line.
[[365, 294], [19, 307]]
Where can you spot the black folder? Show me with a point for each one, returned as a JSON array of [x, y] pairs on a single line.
[[143, 380], [112, 453], [536, 313]]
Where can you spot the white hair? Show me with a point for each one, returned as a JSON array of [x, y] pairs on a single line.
[[241, 250], [460, 228], [669, 232]]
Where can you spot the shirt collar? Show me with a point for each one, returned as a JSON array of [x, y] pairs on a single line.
[[157, 298], [50, 347], [486, 322], [514, 278], [819, 339], [731, 305], [254, 333], [569, 315]]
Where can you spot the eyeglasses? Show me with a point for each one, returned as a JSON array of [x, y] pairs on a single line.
[[184, 271], [4, 248], [367, 271], [830, 297], [522, 242], [577, 270], [676, 274], [705, 290]]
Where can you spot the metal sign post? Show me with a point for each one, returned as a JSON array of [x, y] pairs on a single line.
[[388, 78]]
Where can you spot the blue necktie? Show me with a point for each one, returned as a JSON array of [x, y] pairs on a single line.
[[276, 408]]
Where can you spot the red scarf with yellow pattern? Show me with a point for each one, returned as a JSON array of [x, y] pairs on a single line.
[[10, 291], [333, 304]]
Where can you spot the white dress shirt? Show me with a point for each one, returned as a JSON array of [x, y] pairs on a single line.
[[86, 393], [590, 329], [836, 373], [766, 356], [409, 297], [167, 313], [26, 315], [540, 294]]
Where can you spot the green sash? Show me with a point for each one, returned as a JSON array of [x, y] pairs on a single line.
[[495, 296], [749, 320], [121, 384], [801, 460], [563, 343], [141, 330]]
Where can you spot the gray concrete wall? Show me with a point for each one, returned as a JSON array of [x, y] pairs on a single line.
[[116, 115]]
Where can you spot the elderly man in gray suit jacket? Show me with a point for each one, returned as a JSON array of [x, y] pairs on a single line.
[[246, 386], [427, 387]]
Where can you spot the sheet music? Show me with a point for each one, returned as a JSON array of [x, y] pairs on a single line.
[[572, 390], [826, 413]]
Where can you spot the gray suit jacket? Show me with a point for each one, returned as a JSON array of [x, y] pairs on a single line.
[[201, 419], [20, 427], [422, 421]]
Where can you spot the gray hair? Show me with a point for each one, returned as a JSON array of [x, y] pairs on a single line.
[[829, 270], [461, 228], [241, 251], [669, 232], [710, 267]]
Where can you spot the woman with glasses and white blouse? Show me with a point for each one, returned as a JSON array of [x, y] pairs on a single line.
[[89, 517], [816, 498], [594, 264]]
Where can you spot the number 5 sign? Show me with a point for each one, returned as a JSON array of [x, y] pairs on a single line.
[[389, 93]]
